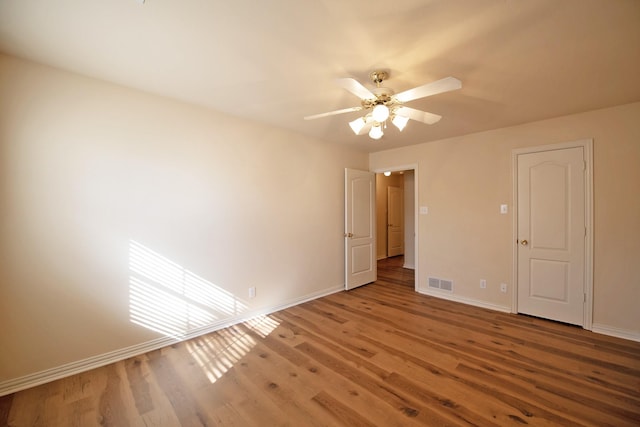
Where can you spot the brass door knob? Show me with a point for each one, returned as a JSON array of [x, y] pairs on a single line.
[[524, 243]]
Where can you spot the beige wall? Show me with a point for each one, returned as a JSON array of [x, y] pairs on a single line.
[[382, 184], [464, 180], [87, 168]]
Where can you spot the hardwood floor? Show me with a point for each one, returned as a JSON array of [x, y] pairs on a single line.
[[379, 355]]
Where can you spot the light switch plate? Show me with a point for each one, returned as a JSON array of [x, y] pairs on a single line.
[[504, 209], [424, 210]]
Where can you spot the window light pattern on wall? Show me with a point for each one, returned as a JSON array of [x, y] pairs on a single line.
[[171, 300]]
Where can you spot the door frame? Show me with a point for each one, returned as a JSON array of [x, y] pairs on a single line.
[[587, 146], [416, 210]]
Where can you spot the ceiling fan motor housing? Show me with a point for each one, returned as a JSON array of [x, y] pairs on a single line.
[[378, 76], [383, 96]]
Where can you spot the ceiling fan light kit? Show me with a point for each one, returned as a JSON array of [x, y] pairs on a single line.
[[400, 122], [380, 113], [357, 125], [376, 131], [383, 103]]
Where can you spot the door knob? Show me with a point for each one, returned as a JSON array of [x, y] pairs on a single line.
[[524, 243], [348, 234]]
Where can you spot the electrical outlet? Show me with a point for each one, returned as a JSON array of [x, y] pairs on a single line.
[[252, 292], [483, 284], [503, 287]]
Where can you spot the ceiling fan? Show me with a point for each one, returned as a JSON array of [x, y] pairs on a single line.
[[382, 103]]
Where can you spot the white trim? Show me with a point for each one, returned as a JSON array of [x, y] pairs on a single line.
[[416, 226], [587, 146], [465, 300], [416, 229], [599, 328], [56, 373]]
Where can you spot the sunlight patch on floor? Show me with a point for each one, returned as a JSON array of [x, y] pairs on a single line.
[[218, 352]]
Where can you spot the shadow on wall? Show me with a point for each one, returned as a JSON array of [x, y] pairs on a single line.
[[171, 300]]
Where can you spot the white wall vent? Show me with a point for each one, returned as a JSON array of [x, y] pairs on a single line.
[[442, 284], [446, 285]]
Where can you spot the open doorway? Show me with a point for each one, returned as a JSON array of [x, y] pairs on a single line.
[[395, 217], [392, 270]]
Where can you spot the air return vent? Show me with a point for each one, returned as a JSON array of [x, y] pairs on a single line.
[[442, 284]]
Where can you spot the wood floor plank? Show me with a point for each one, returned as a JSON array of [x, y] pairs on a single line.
[[446, 388], [555, 397], [502, 353], [378, 355], [403, 405], [5, 407], [557, 346], [532, 412], [185, 406], [620, 375], [341, 412]]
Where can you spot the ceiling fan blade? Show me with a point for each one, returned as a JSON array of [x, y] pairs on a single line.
[[356, 88], [444, 85], [333, 113], [421, 116]]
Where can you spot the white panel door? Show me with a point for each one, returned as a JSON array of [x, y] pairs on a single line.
[[551, 234], [395, 230], [359, 236]]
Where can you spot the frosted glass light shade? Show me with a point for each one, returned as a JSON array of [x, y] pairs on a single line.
[[376, 132], [380, 113], [400, 122], [357, 125]]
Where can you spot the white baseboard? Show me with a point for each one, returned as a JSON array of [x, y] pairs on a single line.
[[52, 374], [599, 328], [409, 266], [465, 300]]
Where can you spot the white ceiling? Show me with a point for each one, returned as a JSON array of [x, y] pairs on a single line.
[[275, 61]]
